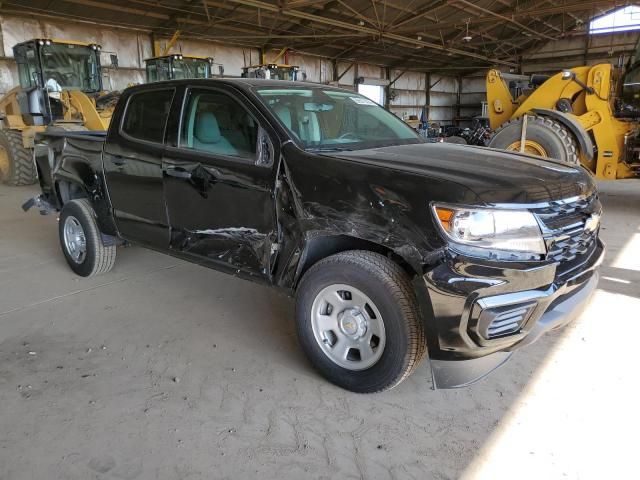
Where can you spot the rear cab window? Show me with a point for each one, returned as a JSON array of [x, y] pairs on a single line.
[[146, 115]]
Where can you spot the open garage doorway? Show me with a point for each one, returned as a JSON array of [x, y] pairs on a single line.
[[374, 92]]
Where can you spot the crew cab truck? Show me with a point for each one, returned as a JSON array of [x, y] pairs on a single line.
[[391, 246]]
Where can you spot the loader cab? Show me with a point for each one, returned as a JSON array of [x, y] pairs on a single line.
[[630, 95], [273, 71], [177, 66], [46, 68]]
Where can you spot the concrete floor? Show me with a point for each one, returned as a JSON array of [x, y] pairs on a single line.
[[162, 369]]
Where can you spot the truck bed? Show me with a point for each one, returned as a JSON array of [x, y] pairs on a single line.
[[58, 150]]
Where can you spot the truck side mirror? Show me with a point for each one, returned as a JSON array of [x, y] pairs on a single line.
[[264, 149], [114, 60]]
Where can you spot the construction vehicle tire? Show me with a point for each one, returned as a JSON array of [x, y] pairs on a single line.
[[455, 139], [16, 162], [544, 138]]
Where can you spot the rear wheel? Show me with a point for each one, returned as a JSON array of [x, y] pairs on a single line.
[[358, 321], [16, 162], [81, 241], [544, 138]]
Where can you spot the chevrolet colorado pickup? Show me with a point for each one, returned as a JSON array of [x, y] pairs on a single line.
[[391, 246]]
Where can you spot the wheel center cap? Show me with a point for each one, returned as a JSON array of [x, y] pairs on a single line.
[[353, 323]]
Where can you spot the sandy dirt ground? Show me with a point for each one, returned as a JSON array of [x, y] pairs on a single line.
[[163, 369]]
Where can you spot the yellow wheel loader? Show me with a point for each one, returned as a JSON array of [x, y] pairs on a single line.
[[274, 71], [175, 66], [585, 114], [60, 88]]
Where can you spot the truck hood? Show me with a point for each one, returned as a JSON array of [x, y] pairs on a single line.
[[494, 176]]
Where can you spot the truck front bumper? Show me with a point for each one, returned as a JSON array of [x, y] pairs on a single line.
[[479, 313]]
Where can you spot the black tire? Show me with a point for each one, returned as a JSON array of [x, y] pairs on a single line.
[[18, 168], [556, 140], [98, 258], [389, 287]]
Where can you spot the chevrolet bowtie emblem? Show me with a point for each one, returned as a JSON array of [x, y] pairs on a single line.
[[591, 225]]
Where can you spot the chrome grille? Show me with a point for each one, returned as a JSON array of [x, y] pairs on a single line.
[[564, 227], [571, 246]]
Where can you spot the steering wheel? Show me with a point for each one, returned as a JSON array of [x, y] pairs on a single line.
[[348, 136], [70, 78]]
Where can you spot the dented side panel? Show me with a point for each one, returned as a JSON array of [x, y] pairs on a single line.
[[221, 211], [323, 196]]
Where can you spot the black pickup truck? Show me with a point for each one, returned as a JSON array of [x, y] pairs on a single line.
[[392, 247]]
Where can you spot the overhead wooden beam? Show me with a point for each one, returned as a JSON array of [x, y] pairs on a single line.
[[524, 13], [373, 32], [504, 18]]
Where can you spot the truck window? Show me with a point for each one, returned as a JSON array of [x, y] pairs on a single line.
[[146, 115], [216, 123]]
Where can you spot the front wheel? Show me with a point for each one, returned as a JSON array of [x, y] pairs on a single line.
[[81, 241], [358, 321]]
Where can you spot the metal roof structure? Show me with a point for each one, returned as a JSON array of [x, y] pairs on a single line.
[[429, 35]]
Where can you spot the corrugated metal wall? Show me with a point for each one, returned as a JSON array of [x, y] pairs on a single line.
[[132, 47], [581, 50], [410, 93], [409, 89]]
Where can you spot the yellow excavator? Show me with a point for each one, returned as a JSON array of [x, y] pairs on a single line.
[[60, 88], [586, 114]]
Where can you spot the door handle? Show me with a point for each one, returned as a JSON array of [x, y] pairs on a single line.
[[118, 160], [178, 172]]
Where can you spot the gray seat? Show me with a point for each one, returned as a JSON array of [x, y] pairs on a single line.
[[310, 128], [284, 114], [207, 136], [307, 128]]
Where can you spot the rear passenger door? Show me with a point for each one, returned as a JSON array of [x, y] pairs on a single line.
[[219, 180], [133, 167]]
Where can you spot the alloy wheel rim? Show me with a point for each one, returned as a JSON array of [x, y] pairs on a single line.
[[75, 241], [348, 327]]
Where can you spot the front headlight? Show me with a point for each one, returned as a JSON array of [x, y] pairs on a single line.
[[492, 233]]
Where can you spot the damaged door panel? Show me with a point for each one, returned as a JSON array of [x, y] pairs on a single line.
[[219, 197]]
